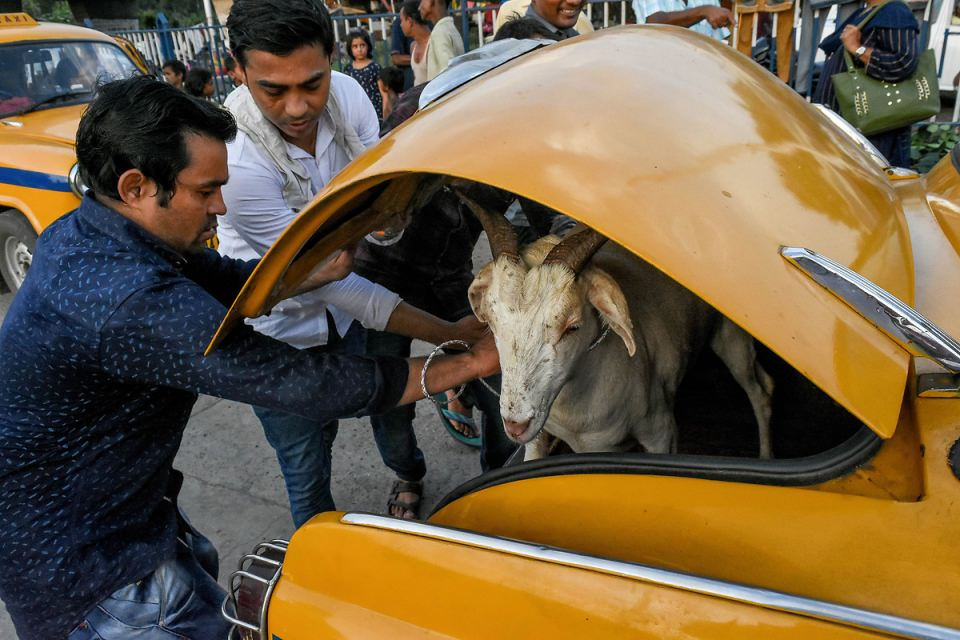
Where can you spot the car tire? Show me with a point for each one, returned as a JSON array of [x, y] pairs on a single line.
[[17, 243]]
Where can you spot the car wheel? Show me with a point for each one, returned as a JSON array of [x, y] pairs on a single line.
[[17, 242]]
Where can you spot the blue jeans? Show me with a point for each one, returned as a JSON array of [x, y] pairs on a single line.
[[304, 447], [180, 600], [304, 450]]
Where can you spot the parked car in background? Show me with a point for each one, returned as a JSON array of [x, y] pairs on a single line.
[[48, 73]]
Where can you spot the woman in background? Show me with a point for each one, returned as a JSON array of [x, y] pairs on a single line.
[[887, 49]]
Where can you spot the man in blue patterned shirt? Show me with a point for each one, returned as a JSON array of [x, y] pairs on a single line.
[[102, 362]]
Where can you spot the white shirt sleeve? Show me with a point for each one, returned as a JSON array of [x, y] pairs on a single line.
[[368, 302]]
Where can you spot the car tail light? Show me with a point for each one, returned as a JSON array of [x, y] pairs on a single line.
[[250, 589]]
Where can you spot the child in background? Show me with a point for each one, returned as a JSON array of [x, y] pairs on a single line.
[[390, 84], [362, 68], [199, 83]]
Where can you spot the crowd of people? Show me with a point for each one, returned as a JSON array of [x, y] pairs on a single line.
[[124, 294]]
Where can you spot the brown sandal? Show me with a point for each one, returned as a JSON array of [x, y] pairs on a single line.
[[410, 508]]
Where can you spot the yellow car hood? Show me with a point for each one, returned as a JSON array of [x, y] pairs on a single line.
[[685, 152], [56, 125]]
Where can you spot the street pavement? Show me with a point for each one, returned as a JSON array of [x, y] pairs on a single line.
[[233, 491]]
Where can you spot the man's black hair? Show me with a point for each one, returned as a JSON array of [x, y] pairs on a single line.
[[392, 78], [411, 9], [141, 123], [229, 63], [278, 27], [522, 28], [176, 66], [363, 35], [196, 79]]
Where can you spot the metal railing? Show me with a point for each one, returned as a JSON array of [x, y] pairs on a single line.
[[200, 46], [208, 46]]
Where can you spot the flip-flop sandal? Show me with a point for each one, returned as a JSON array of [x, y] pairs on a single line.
[[446, 415], [410, 506]]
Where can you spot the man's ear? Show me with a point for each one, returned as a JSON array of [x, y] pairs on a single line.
[[607, 298], [133, 187], [477, 294]]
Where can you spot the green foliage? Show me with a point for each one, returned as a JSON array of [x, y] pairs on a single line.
[[931, 142], [49, 10], [181, 13]]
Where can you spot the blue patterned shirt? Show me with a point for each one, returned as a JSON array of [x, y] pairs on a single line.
[[100, 364]]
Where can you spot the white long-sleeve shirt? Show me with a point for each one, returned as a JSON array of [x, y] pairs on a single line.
[[257, 214]]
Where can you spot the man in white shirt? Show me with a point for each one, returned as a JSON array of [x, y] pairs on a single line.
[[704, 16], [445, 40], [299, 124]]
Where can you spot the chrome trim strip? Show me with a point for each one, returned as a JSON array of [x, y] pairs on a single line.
[[854, 136], [902, 323], [741, 593]]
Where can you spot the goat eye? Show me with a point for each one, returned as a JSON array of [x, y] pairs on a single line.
[[571, 329]]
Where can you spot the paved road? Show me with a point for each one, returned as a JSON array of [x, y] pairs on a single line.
[[234, 491]]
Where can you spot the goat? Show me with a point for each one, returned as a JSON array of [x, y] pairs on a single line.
[[549, 311]]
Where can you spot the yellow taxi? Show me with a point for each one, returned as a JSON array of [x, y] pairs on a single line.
[[48, 74], [845, 271]]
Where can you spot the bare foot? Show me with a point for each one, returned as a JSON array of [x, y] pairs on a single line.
[[458, 406]]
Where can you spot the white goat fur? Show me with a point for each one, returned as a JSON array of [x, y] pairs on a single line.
[[622, 392]]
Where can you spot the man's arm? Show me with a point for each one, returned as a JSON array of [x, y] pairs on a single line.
[[399, 48], [412, 322], [219, 276], [716, 16], [158, 335], [446, 372]]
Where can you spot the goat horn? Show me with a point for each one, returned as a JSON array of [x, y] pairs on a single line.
[[500, 233], [575, 250]]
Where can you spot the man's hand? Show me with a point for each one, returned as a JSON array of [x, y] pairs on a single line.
[[336, 268], [719, 17], [486, 356], [850, 37], [469, 329], [449, 371]]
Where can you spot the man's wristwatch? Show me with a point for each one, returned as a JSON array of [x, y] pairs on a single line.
[[860, 51]]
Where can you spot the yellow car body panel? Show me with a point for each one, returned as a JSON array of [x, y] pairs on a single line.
[[709, 197], [44, 148], [943, 193], [712, 195], [371, 583], [37, 148], [12, 30]]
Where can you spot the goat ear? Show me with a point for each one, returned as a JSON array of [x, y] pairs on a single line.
[[477, 294], [607, 298]]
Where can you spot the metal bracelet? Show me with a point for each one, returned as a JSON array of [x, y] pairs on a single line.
[[423, 374]]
